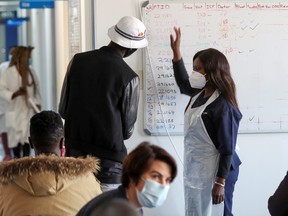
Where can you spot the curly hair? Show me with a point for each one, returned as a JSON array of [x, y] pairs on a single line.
[[46, 130]]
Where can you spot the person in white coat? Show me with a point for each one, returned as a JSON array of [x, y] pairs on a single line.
[[20, 89], [3, 67], [211, 122]]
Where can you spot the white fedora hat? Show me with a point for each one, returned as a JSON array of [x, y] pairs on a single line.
[[129, 32]]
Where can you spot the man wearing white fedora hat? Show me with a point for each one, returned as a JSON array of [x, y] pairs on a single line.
[[99, 100]]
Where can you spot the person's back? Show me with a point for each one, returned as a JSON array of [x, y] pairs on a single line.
[[99, 100], [94, 117], [47, 184]]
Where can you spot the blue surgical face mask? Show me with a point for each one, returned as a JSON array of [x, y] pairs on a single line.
[[153, 194], [30, 61], [9, 57]]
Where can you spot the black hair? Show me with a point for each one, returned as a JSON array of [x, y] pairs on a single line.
[[46, 130], [217, 68]]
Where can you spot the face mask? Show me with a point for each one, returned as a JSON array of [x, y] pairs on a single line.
[[30, 61], [129, 52], [153, 194], [9, 57], [197, 80]]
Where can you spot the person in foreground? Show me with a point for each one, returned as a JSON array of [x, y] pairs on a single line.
[[116, 207], [47, 184], [147, 174], [99, 100], [212, 117], [277, 203]]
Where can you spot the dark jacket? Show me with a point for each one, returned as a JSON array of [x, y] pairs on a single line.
[[277, 203], [119, 193], [99, 103]]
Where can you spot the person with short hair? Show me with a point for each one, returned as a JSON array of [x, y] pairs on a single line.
[[48, 184], [147, 173], [116, 207], [99, 100]]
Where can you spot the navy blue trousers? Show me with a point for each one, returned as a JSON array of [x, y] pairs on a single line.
[[229, 189]]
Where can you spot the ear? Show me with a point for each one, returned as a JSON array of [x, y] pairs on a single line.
[[62, 143], [62, 147], [30, 142]]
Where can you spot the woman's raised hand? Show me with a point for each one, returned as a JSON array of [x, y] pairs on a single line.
[[175, 44]]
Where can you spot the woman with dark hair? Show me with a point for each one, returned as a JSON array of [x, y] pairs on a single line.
[[212, 117], [19, 88], [147, 174]]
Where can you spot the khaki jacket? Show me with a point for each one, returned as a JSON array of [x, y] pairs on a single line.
[[47, 185]]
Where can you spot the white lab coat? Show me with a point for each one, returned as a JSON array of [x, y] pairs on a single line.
[[3, 67], [18, 112]]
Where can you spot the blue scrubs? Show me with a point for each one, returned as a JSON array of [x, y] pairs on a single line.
[[221, 120]]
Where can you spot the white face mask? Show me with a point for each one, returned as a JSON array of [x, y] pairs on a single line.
[[153, 194], [197, 80]]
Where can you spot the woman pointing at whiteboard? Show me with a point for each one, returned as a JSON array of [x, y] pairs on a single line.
[[211, 165]]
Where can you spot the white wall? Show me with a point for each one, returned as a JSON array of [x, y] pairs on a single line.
[[263, 155], [264, 164]]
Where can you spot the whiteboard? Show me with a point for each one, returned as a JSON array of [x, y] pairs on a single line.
[[253, 37]]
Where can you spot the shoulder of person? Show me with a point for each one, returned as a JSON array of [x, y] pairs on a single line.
[[223, 105], [62, 166], [104, 197]]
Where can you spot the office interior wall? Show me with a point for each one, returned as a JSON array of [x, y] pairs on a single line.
[[87, 25], [263, 155], [41, 36], [23, 29], [2, 43], [61, 43]]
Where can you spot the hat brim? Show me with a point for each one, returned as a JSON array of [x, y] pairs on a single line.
[[124, 42]]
